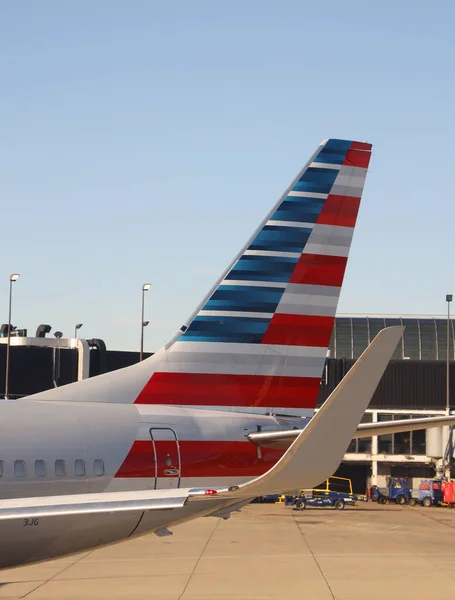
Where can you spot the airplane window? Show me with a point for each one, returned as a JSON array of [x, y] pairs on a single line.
[[2, 468], [60, 468], [98, 467], [19, 468], [40, 468], [79, 467]]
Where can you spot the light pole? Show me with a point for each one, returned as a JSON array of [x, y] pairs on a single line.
[[449, 298], [12, 278], [145, 288], [56, 357], [78, 326]]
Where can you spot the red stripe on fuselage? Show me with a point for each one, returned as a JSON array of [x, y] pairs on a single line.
[[318, 269], [339, 210], [199, 389], [299, 330], [199, 459]]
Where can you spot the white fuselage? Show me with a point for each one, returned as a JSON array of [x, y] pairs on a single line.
[[55, 448]]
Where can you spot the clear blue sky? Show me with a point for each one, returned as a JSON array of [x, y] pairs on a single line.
[[144, 141]]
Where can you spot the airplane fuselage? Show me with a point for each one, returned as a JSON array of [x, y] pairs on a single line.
[[56, 448], [50, 448]]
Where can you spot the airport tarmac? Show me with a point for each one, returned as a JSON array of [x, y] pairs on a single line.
[[265, 552]]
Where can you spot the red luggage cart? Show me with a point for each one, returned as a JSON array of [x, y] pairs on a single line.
[[448, 490]]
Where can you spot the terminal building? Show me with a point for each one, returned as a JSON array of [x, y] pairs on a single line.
[[414, 385]]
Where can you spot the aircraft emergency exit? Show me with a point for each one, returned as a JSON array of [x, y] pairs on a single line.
[[206, 423]]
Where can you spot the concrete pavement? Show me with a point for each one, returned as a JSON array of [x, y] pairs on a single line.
[[265, 552]]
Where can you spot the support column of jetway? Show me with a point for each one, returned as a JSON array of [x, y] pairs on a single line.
[[440, 442]]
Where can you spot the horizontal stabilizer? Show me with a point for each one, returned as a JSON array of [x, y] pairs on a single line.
[[284, 438], [369, 429]]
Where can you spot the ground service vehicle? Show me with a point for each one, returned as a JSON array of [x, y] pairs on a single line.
[[397, 490], [335, 492], [430, 493], [329, 501]]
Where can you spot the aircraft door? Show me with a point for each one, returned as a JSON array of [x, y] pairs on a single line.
[[167, 457]]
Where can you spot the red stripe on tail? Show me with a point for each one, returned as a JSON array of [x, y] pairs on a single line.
[[317, 269], [357, 158], [299, 330], [361, 146], [196, 389], [339, 210]]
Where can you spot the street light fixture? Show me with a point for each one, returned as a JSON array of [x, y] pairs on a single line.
[[78, 326], [449, 298], [145, 288], [12, 278]]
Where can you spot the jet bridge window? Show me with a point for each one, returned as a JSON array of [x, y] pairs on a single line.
[[40, 468], [19, 468], [60, 468], [98, 467], [79, 467]]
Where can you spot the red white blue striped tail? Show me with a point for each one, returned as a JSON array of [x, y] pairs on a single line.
[[259, 340]]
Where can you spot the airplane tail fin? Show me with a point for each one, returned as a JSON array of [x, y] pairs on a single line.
[[259, 340]]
